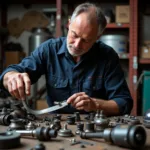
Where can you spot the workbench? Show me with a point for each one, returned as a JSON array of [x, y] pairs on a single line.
[[63, 143]]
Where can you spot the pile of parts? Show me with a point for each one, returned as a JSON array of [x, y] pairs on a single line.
[[125, 131]]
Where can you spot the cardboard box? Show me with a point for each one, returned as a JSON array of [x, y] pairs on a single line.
[[122, 14], [145, 52], [13, 57]]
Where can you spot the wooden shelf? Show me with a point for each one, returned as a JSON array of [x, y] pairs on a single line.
[[117, 25], [144, 61]]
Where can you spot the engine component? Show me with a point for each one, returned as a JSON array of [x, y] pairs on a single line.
[[41, 133], [10, 137], [56, 124], [5, 119], [101, 122], [71, 120], [130, 136], [80, 126], [17, 124], [57, 116], [89, 127], [18, 112], [30, 126], [77, 116], [65, 132]]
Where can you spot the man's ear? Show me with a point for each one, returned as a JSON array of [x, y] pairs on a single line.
[[69, 22]]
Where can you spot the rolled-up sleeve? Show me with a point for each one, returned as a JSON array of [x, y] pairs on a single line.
[[116, 85]]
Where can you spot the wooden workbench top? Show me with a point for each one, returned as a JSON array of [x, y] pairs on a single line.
[[61, 143]]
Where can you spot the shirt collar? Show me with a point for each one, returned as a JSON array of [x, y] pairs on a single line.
[[63, 48]]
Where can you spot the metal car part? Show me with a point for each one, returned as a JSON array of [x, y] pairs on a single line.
[[65, 132], [47, 110], [41, 133], [130, 136], [11, 137]]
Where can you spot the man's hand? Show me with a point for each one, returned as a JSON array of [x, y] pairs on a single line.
[[82, 101], [17, 84]]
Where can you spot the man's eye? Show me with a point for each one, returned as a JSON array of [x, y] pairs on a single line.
[[74, 35]]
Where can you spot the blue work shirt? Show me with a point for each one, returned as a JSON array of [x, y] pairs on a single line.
[[98, 73]]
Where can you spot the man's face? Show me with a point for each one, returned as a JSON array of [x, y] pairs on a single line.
[[81, 35]]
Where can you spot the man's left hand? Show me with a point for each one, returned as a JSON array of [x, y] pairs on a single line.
[[82, 101]]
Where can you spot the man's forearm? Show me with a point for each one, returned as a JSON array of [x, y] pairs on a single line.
[[109, 107]]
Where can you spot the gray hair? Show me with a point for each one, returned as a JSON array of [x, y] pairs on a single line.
[[101, 20]]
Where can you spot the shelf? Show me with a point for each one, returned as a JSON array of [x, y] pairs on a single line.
[[124, 56], [144, 61], [117, 25]]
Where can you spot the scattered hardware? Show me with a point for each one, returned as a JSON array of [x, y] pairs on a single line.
[[77, 116], [70, 120], [80, 126], [135, 135], [39, 146], [17, 124], [101, 122], [65, 132], [30, 126], [89, 126]]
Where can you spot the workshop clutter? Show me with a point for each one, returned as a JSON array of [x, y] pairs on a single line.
[[24, 124], [145, 50], [118, 42], [13, 53], [120, 14]]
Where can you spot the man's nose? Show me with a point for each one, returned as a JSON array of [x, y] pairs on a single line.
[[78, 43]]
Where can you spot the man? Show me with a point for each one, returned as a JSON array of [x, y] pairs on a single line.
[[79, 68]]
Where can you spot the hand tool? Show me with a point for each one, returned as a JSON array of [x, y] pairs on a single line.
[[47, 110]]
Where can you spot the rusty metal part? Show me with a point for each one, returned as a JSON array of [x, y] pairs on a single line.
[[9, 140]]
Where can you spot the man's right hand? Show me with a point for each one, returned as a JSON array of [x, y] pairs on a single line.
[[17, 84]]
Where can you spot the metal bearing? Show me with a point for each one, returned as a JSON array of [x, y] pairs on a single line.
[[9, 139]]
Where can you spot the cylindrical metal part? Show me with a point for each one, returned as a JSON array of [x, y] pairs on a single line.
[[86, 135], [41, 133], [26, 132], [133, 136]]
